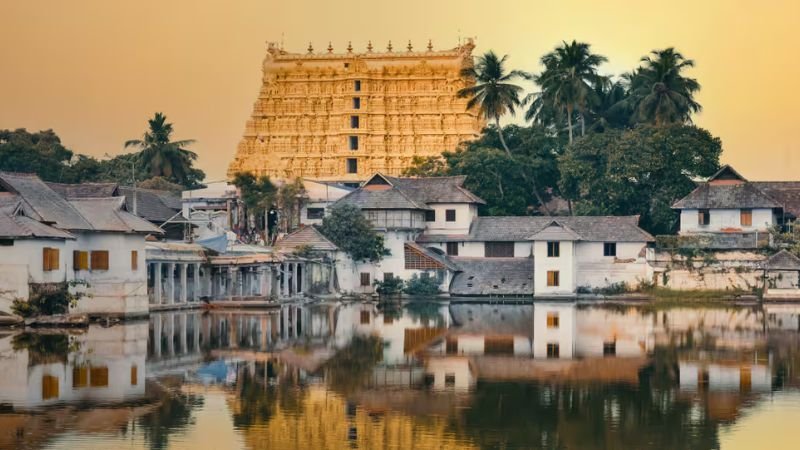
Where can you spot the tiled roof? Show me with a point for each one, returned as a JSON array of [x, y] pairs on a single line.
[[85, 190], [44, 201], [725, 196], [440, 258], [309, 236], [19, 226], [783, 260], [436, 189], [492, 276], [787, 193], [487, 319], [155, 206], [392, 198], [523, 228], [107, 214]]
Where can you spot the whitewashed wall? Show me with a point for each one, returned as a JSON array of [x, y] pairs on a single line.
[[725, 218], [465, 213], [564, 335], [477, 249], [564, 264], [595, 270]]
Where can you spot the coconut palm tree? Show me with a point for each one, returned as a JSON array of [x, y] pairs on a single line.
[[493, 93], [659, 92], [162, 157], [567, 84]]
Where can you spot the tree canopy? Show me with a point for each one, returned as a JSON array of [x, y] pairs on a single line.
[[352, 233]]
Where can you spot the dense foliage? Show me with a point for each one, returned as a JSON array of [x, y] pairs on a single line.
[[352, 233]]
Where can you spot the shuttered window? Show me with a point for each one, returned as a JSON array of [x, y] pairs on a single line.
[[450, 215], [499, 249], [452, 248], [134, 260], [80, 260], [553, 249], [98, 377], [610, 249], [703, 217], [553, 350], [134, 375], [553, 278], [100, 260], [50, 259], [49, 387], [364, 279], [80, 377], [746, 217], [552, 320]]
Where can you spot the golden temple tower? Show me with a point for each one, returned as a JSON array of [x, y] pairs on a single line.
[[343, 116]]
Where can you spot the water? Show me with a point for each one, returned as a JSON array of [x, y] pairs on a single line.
[[423, 375]]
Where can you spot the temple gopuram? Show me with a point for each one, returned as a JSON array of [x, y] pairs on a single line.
[[343, 116]]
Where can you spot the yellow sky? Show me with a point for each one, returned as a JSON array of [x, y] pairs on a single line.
[[95, 70]]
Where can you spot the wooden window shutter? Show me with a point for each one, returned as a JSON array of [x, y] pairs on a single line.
[[746, 217], [365, 279], [552, 278], [134, 260], [100, 260], [80, 377], [134, 375], [80, 260], [46, 259], [49, 387], [50, 259], [98, 377]]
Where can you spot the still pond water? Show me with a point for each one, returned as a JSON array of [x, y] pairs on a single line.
[[421, 375]]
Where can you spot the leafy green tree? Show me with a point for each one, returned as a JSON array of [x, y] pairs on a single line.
[[639, 171], [493, 93], [163, 157], [660, 94], [352, 233], [41, 153], [258, 195], [567, 85], [289, 200]]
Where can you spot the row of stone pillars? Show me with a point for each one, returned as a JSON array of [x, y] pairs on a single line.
[[171, 285]]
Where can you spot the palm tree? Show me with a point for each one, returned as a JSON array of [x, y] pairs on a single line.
[[611, 110], [492, 93], [567, 84], [162, 157], [659, 92]]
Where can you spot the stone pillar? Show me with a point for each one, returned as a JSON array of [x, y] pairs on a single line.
[[197, 289], [231, 282], [241, 274], [184, 330], [170, 283], [157, 287], [183, 269], [303, 273], [196, 319], [263, 275], [295, 278], [157, 333], [171, 334], [285, 318]]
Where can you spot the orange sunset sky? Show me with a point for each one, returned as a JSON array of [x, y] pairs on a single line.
[[95, 70]]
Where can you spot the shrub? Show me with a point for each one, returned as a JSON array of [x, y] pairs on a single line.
[[389, 287], [48, 299], [424, 285]]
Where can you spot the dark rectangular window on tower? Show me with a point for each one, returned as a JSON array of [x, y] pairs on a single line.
[[353, 142], [352, 165], [356, 102], [354, 122], [357, 85]]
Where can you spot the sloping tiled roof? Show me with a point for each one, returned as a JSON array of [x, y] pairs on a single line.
[[309, 236], [487, 319], [47, 203], [523, 228], [155, 206], [85, 190], [436, 189], [19, 226], [783, 260], [440, 258], [725, 196], [392, 198], [107, 214], [787, 193], [492, 276]]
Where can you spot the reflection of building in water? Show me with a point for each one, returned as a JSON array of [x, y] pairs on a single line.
[[101, 365]]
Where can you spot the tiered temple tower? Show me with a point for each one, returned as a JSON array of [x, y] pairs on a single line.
[[343, 116]]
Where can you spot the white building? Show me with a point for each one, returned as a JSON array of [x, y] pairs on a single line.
[[103, 257], [319, 196]]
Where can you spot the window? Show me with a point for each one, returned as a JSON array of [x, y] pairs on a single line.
[[80, 260], [50, 259], [388, 276], [499, 249], [451, 345], [134, 260], [552, 278], [552, 350], [98, 377], [364, 279], [430, 216], [356, 103], [49, 387], [449, 380], [553, 249], [364, 318], [452, 248], [353, 142], [703, 217], [6, 242], [352, 165], [610, 249], [609, 348], [746, 217], [450, 215], [315, 213], [357, 85], [552, 320], [354, 122], [134, 375], [80, 377], [99, 260]]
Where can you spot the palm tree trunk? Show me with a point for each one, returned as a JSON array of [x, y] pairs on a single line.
[[569, 123], [583, 125], [500, 133]]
